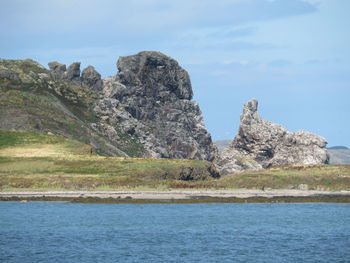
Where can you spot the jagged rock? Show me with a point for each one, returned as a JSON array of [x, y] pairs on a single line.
[[157, 73], [57, 69], [91, 78], [143, 111], [73, 73], [150, 98], [262, 144]]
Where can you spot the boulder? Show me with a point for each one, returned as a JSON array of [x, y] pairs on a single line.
[[73, 73], [57, 69], [91, 78]]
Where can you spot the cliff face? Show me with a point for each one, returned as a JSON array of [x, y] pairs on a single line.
[[261, 144], [150, 98], [143, 111]]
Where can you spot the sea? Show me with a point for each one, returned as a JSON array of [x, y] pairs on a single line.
[[68, 232]]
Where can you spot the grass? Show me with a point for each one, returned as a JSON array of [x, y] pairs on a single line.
[[37, 102], [29, 144], [108, 173], [37, 161], [32, 161], [79, 172], [312, 177]]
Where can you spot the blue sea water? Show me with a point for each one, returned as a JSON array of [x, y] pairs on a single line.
[[65, 232]]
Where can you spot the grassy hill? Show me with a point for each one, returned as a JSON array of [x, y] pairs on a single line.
[[31, 100], [32, 161], [36, 161]]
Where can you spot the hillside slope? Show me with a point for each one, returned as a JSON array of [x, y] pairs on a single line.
[[31, 100], [36, 161], [31, 161], [146, 110]]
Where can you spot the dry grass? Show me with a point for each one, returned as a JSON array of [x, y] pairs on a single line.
[[44, 162], [40, 150]]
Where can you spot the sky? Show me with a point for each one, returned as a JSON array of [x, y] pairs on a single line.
[[293, 56]]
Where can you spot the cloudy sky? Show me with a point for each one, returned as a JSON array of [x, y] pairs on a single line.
[[291, 55]]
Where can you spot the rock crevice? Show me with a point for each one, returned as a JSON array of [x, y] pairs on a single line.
[[150, 98], [149, 103]]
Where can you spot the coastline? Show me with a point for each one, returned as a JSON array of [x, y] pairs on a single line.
[[180, 196]]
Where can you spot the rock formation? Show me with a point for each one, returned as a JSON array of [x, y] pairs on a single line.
[[150, 98], [89, 76], [57, 69], [149, 102], [261, 144], [73, 73]]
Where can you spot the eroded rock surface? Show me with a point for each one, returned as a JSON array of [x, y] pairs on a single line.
[[150, 98], [261, 144], [73, 73], [89, 77], [147, 107]]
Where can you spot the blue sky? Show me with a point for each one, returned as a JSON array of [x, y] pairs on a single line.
[[292, 55]]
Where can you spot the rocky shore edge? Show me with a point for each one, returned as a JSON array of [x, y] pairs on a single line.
[[178, 196]]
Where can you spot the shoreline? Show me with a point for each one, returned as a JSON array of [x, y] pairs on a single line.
[[180, 196]]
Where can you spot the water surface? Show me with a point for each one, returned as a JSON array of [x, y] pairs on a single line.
[[65, 232]]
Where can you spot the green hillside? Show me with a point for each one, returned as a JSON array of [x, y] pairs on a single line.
[[32, 161], [36, 161], [31, 100]]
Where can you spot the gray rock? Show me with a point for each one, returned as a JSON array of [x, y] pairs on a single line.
[[145, 110], [157, 73], [262, 144], [150, 98], [91, 78], [73, 73], [57, 69]]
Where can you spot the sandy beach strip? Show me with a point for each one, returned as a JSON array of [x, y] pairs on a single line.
[[175, 194]]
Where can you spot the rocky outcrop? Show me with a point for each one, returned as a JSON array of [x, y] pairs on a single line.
[[146, 110], [261, 144], [57, 70], [150, 99], [73, 73], [147, 105], [89, 76]]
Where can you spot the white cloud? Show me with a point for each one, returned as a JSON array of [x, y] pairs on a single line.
[[58, 16]]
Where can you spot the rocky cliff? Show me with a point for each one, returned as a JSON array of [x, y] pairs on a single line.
[[151, 98], [146, 110], [261, 144]]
